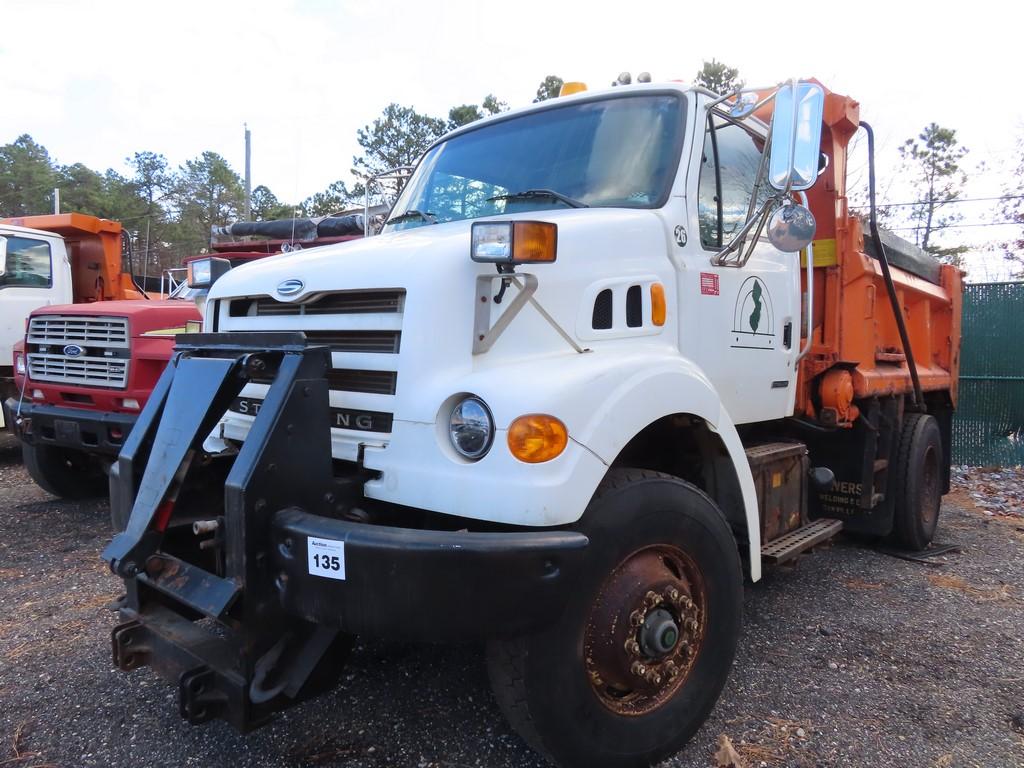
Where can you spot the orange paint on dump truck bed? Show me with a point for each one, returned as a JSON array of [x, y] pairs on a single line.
[[854, 325]]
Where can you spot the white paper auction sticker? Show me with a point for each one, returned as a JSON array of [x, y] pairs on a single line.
[[326, 558]]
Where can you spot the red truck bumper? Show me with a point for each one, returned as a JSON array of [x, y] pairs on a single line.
[[90, 431]]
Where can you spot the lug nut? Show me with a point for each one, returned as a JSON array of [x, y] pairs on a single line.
[[636, 618], [691, 625], [632, 647], [653, 678], [652, 598], [638, 669]]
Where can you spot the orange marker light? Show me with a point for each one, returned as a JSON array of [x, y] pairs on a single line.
[[533, 241], [573, 86], [658, 307], [537, 437]]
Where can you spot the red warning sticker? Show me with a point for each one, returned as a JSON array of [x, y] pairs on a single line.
[[709, 283]]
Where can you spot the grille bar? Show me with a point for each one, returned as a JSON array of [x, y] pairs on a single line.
[[343, 303], [373, 382], [350, 380], [386, 342], [91, 331]]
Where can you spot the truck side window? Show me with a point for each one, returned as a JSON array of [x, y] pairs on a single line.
[[28, 264], [727, 174]]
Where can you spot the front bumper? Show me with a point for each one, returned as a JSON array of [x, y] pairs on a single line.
[[89, 431], [423, 584]]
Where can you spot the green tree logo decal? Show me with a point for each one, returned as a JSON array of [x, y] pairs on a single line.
[[755, 316]]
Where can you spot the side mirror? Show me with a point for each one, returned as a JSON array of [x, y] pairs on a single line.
[[791, 228], [3, 255], [796, 137]]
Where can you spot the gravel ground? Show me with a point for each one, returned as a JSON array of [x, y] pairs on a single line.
[[850, 658]]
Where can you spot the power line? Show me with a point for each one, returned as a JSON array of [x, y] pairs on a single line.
[[946, 202], [961, 226]]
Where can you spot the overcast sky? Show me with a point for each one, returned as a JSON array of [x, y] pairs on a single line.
[[97, 81]]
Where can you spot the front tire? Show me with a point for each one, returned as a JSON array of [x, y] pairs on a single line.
[[645, 644], [64, 472]]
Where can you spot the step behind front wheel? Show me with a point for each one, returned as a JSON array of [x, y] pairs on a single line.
[[63, 472], [644, 646], [917, 482]]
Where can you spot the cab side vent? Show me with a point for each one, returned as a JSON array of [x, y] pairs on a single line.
[[634, 307], [603, 310]]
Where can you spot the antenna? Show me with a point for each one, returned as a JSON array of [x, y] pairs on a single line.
[[248, 172]]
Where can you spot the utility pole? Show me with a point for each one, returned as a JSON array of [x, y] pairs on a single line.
[[56, 200], [248, 173]]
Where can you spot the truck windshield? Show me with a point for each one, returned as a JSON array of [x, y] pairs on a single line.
[[621, 151]]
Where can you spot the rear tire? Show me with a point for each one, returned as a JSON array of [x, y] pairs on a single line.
[[917, 482], [64, 472], [663, 571]]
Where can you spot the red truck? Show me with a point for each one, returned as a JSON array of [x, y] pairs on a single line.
[[89, 369]]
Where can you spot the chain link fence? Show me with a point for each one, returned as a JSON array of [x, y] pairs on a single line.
[[988, 429]]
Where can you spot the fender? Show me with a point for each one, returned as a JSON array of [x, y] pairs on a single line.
[[673, 386], [605, 399]]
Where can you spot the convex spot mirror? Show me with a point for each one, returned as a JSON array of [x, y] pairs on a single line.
[[791, 228], [796, 136], [3, 256]]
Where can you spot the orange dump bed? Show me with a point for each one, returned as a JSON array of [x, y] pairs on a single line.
[[94, 248], [856, 350]]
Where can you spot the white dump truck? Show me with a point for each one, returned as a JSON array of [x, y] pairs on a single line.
[[610, 353]]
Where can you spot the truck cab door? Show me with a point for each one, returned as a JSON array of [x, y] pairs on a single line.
[[743, 322], [36, 274]]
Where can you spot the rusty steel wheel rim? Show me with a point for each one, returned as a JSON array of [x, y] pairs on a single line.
[[645, 630]]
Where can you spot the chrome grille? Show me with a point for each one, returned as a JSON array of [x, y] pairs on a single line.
[[75, 329], [101, 358], [91, 371]]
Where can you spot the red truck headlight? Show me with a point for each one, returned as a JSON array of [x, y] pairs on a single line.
[[19, 365]]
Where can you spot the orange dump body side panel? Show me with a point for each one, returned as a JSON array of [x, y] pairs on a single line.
[[854, 326], [94, 249]]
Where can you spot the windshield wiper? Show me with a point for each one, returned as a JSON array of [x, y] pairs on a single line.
[[430, 218], [526, 194]]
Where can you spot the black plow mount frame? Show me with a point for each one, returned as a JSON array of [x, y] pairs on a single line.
[[258, 659], [237, 619]]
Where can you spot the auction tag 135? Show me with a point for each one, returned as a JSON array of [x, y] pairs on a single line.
[[326, 558]]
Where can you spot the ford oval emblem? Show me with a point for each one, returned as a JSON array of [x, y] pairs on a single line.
[[290, 287], [73, 350]]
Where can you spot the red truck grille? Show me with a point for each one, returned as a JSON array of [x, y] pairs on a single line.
[[80, 350], [88, 371]]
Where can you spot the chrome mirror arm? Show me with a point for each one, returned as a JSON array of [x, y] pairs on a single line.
[[721, 259]]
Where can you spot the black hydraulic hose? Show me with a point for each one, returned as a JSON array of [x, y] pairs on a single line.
[[884, 261], [131, 264]]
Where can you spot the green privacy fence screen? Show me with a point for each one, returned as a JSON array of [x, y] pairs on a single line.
[[988, 428]]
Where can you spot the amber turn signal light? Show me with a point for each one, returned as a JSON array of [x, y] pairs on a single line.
[[658, 307], [537, 437]]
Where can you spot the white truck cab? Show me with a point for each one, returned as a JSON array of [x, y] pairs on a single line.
[[721, 350], [34, 272]]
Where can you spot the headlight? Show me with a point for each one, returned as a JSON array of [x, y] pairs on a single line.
[[19, 365], [202, 273], [471, 428]]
